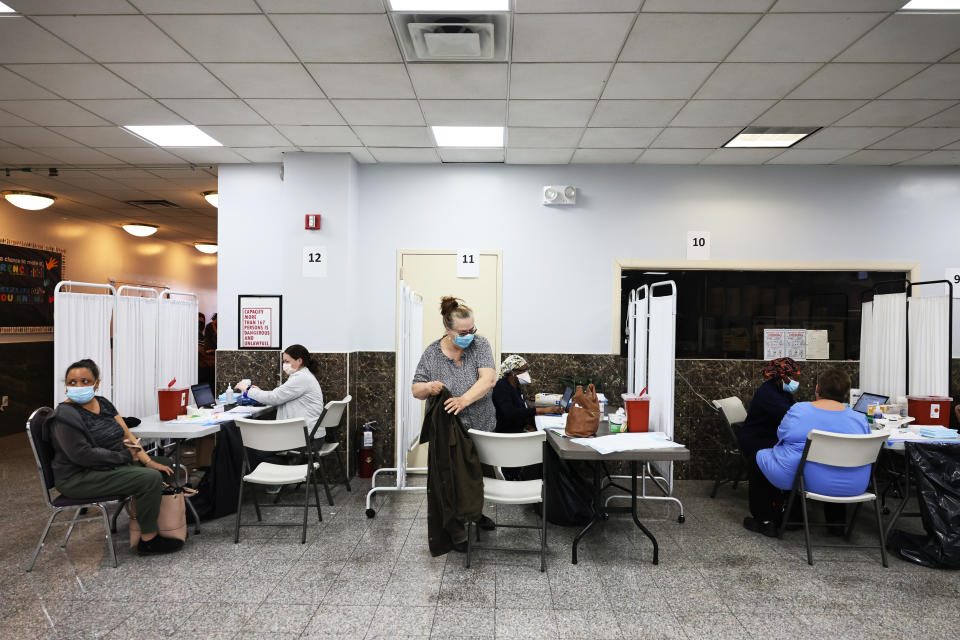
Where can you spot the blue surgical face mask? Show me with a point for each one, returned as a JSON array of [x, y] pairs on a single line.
[[463, 341], [791, 386], [80, 395]]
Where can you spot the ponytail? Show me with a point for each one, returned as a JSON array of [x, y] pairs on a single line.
[[298, 351]]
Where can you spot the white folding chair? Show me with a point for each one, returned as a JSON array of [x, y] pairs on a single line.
[[838, 450], [733, 413], [331, 418], [274, 436], [511, 450]]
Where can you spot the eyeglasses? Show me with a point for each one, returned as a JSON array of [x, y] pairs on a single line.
[[468, 332]]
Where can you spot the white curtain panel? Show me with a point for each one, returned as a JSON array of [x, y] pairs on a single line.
[[81, 329], [930, 346], [868, 355], [135, 335], [889, 338], [409, 347], [177, 343], [662, 369], [637, 348]]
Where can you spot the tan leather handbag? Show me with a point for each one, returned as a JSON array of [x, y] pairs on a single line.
[[584, 417], [172, 520]]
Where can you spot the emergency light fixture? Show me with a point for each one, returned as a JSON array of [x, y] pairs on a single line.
[[30, 200]]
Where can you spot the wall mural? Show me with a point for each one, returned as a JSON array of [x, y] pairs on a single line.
[[28, 275]]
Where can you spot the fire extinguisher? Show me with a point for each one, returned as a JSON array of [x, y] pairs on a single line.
[[366, 450]]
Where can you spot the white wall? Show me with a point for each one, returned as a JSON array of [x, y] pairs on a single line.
[[558, 262], [100, 253]]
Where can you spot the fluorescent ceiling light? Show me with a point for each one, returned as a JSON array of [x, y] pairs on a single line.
[[212, 197], [654, 273], [30, 200], [205, 247], [769, 137], [932, 5], [173, 135], [140, 230], [472, 137], [450, 6], [5, 9]]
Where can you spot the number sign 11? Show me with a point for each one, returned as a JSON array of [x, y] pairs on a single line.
[[468, 263], [953, 275], [314, 262], [698, 245]]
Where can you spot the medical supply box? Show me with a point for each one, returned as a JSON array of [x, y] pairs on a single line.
[[929, 410]]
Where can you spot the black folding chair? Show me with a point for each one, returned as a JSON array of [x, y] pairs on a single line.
[[733, 413]]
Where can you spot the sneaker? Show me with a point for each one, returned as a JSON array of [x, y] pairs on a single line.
[[767, 527], [158, 545], [273, 489], [486, 523]]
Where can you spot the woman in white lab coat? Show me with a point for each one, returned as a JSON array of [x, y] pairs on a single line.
[[300, 396]]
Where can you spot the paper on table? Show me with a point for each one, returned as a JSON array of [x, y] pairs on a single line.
[[818, 348], [551, 422], [628, 442], [244, 409]]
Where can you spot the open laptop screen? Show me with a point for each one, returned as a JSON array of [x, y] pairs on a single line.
[[203, 395], [867, 399]]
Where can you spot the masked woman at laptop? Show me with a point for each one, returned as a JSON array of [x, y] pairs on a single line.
[[300, 396]]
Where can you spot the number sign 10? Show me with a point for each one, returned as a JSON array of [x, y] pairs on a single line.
[[698, 245]]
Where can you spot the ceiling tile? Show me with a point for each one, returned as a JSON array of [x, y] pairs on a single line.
[[78, 81], [160, 80], [878, 157], [320, 136], [116, 38], [122, 112], [800, 37], [720, 113], [837, 5], [694, 137], [635, 113], [550, 113], [618, 137], [239, 136], [605, 156], [380, 112], [937, 81], [23, 41], [45, 7], [264, 154], [463, 112], [575, 6], [845, 137], [192, 6], [582, 37], [807, 113], [471, 155], [214, 155], [363, 80], [656, 80], [925, 138], [10, 120], [539, 156], [707, 6], [392, 154], [558, 80], [908, 37], [741, 156], [214, 111], [543, 137], [948, 118], [936, 157], [11, 155], [151, 155], [854, 80], [51, 112], [755, 80], [891, 113], [318, 112], [685, 37], [13, 87], [339, 38], [34, 137], [673, 156], [395, 136], [322, 6], [227, 38], [459, 80], [102, 136], [360, 154], [267, 80]]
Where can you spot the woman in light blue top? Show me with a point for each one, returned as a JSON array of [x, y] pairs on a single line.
[[826, 413]]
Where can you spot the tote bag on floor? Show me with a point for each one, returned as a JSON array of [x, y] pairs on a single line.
[[172, 520]]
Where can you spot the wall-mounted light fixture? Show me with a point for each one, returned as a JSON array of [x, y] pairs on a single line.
[[212, 197]]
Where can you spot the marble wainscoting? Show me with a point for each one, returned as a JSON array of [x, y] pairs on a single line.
[[372, 384], [262, 367]]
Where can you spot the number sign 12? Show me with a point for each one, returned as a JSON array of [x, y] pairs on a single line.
[[698, 245], [468, 263], [953, 275], [314, 262]]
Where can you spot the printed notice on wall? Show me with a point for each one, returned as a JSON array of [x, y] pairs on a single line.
[[818, 345], [259, 322], [468, 263], [314, 262], [795, 344], [773, 343]]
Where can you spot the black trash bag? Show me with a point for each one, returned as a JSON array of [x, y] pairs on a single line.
[[569, 497], [220, 486], [936, 468]]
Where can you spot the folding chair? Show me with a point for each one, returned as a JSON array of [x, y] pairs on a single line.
[[511, 450], [274, 436], [838, 450], [43, 456], [733, 413], [331, 418]]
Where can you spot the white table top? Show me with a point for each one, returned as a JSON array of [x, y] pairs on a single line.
[[152, 427]]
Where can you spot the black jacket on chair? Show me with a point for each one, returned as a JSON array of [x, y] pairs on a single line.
[[454, 477]]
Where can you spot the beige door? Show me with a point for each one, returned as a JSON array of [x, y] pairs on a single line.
[[433, 274]]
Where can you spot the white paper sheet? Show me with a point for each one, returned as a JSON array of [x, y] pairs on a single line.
[[773, 343], [818, 347], [628, 442]]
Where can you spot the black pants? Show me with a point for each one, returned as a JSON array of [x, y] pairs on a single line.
[[767, 502]]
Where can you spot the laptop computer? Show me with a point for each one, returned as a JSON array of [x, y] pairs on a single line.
[[203, 395], [867, 399], [567, 399]]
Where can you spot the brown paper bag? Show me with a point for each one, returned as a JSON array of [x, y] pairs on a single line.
[[171, 522], [584, 417]]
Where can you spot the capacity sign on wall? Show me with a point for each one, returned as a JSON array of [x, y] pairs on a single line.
[[260, 321]]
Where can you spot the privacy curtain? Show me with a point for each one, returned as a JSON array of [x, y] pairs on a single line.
[[81, 326], [638, 316], [930, 346], [883, 344], [177, 342], [409, 348], [662, 368], [135, 336]]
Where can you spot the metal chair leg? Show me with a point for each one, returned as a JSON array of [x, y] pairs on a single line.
[[73, 523], [853, 520], [883, 542], [466, 559], [326, 483], [46, 530], [109, 535], [543, 533], [236, 533], [316, 497], [786, 513], [256, 504], [306, 509], [116, 514], [806, 527], [343, 468]]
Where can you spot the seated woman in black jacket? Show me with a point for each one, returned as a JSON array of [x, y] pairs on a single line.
[[94, 454], [513, 414]]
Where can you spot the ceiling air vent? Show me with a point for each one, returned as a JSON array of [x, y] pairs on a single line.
[[153, 205], [460, 38]]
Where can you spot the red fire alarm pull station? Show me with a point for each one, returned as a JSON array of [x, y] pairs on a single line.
[[312, 221]]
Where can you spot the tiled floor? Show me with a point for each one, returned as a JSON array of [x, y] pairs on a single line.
[[360, 578]]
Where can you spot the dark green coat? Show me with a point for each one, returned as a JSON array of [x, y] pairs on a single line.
[[454, 477]]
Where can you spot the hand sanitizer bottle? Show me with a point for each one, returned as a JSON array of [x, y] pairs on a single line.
[[229, 395]]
